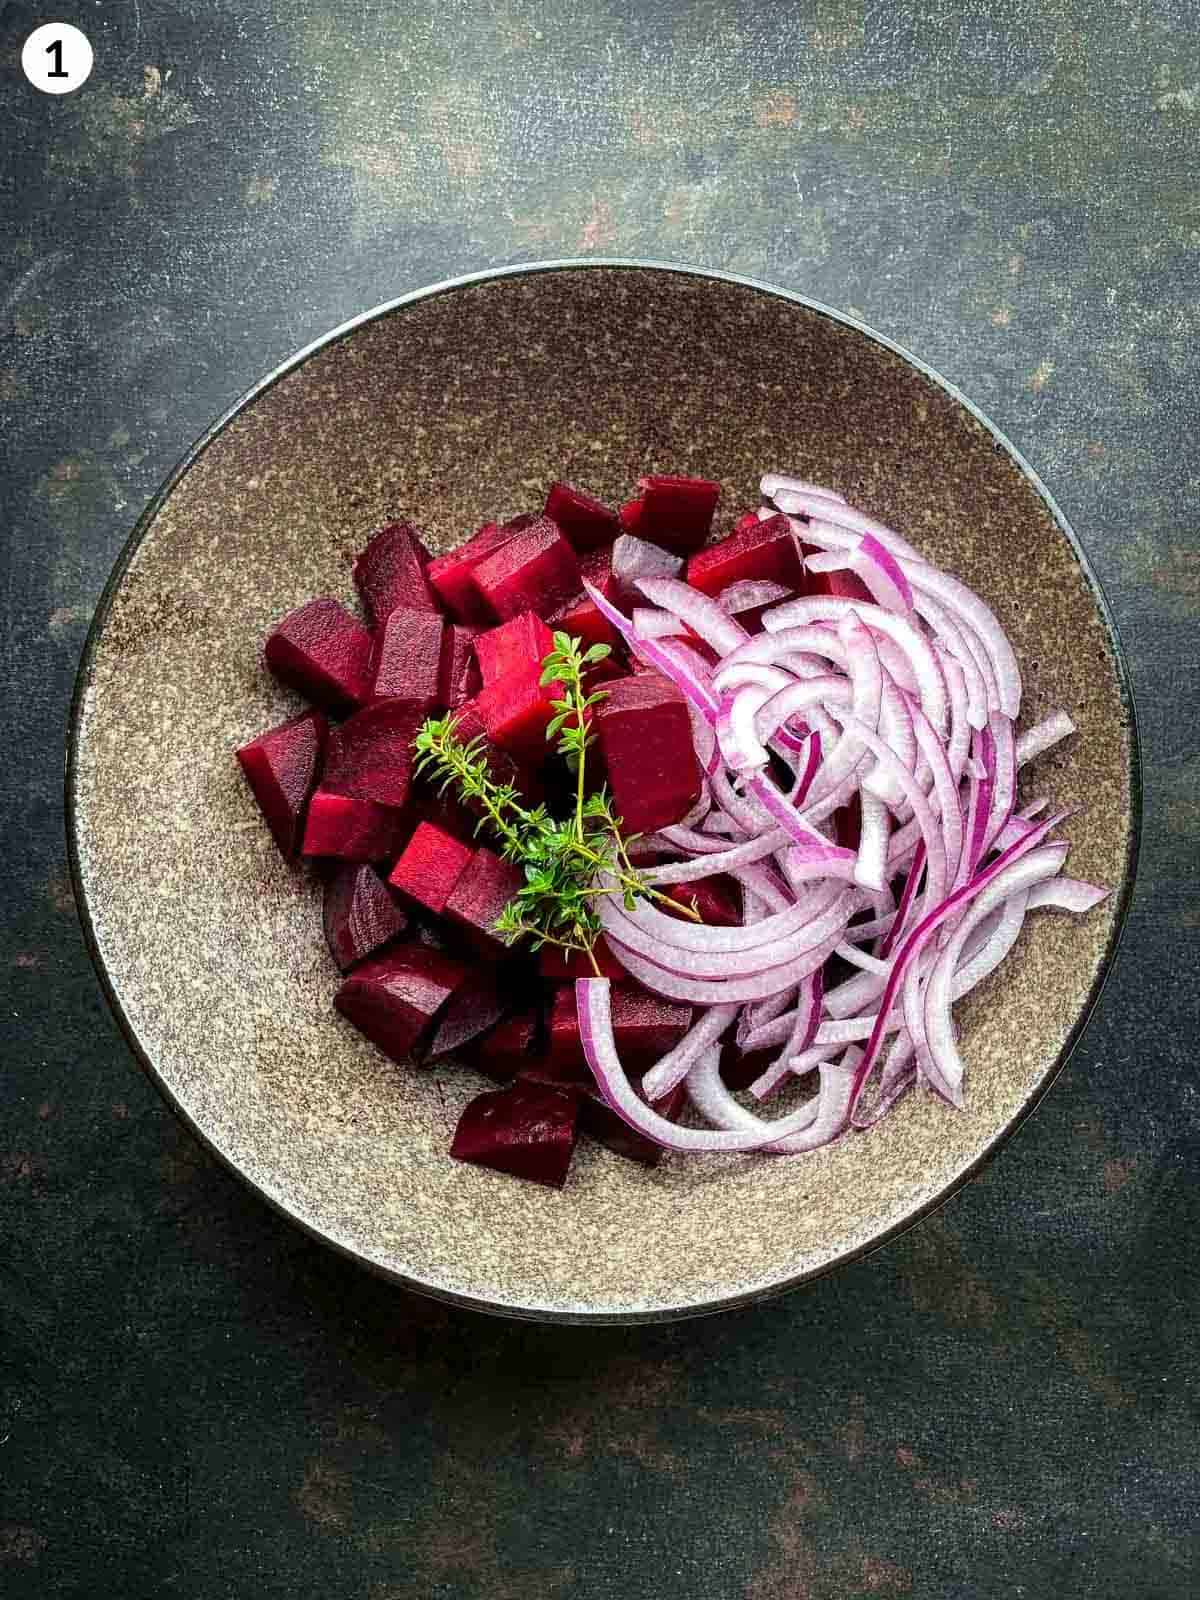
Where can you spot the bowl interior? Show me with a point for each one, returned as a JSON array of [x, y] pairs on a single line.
[[451, 409]]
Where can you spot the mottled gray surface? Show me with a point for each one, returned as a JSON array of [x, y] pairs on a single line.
[[196, 1401]]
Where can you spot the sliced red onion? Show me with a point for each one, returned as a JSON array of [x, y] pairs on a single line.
[[683, 676], [814, 503], [1067, 894], [771, 482], [970, 610], [702, 615], [650, 623], [1004, 777], [1043, 736], [634, 559], [674, 983], [827, 1112], [670, 1070], [750, 594], [960, 642]]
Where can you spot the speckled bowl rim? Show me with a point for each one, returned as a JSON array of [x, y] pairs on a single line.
[[607, 264]]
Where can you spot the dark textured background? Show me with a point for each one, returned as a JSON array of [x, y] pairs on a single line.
[[195, 1401]]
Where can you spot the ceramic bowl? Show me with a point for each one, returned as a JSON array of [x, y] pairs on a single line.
[[451, 406]]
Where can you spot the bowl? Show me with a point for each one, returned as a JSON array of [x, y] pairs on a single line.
[[451, 406]]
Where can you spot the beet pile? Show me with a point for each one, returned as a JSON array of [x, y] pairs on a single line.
[[811, 731]]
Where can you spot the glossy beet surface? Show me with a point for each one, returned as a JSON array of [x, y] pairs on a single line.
[[522, 641], [359, 914], [390, 572], [765, 549], [350, 828], [430, 866], [371, 756], [585, 521], [534, 570], [394, 998], [645, 736], [407, 659], [282, 767], [527, 1130], [324, 653], [486, 886]]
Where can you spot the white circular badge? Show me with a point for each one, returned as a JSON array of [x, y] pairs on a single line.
[[57, 58]]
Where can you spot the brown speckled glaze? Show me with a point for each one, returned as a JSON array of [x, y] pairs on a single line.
[[450, 408]]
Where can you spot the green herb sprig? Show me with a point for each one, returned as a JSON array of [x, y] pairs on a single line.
[[562, 859]]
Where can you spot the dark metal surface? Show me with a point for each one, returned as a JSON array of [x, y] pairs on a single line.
[[195, 1400]]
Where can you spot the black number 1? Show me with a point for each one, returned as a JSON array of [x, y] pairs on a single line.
[[55, 50]]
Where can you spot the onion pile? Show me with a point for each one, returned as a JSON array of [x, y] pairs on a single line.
[[907, 704]]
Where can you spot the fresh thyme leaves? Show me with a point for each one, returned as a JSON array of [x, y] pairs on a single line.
[[561, 859]]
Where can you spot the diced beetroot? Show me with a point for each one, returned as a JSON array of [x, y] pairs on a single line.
[[351, 828], [360, 914], [522, 641], [746, 520], [475, 1006], [507, 1049], [486, 886], [763, 550], [408, 657], [431, 804], [323, 652], [458, 672], [562, 966], [390, 572], [451, 577], [430, 866], [586, 522], [371, 755], [631, 516], [395, 998], [844, 585], [716, 899], [527, 1130], [516, 710], [645, 736], [581, 616], [534, 570], [600, 1122], [645, 1027], [282, 767], [678, 512], [469, 725]]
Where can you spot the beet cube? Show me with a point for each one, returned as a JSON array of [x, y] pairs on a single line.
[[486, 886], [581, 616], [631, 516], [395, 998], [451, 577], [763, 550], [507, 1049], [371, 755], [562, 966], [585, 521], [746, 520], [469, 725], [359, 915], [522, 641], [351, 828], [323, 652], [430, 866], [600, 1122], [645, 736], [516, 710], [534, 570], [527, 1130], [678, 512], [408, 657], [282, 767], [843, 585], [390, 572], [458, 672], [474, 1008]]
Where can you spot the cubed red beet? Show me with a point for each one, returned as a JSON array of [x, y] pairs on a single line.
[[678, 512], [430, 804], [586, 522], [843, 585], [581, 616], [371, 755], [395, 999], [527, 1130], [351, 828], [458, 673], [600, 1122], [716, 899], [407, 661], [534, 570], [645, 1027], [562, 966], [486, 886], [645, 736], [390, 572], [323, 652], [451, 577], [507, 1049], [516, 710], [522, 641], [631, 516], [430, 866], [282, 767], [763, 550], [360, 914], [477, 1005], [746, 520]]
